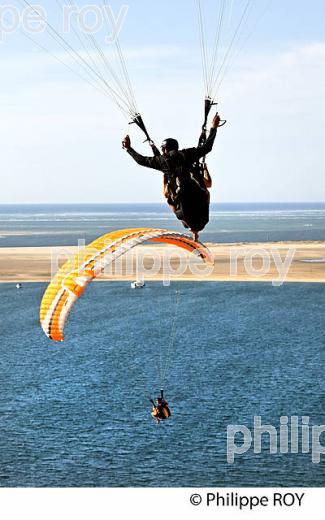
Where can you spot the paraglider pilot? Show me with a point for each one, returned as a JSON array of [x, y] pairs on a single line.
[[185, 188], [160, 409]]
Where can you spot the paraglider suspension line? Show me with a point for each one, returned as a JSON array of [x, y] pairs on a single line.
[[171, 341]]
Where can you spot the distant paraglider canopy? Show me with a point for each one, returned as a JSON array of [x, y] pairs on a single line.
[[74, 276]]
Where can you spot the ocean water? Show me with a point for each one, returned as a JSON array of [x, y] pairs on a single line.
[[77, 413], [53, 225]]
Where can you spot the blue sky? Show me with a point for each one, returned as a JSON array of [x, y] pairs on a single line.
[[60, 138]]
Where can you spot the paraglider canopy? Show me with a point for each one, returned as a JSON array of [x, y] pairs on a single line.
[[74, 276]]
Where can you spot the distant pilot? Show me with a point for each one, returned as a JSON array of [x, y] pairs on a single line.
[[160, 410]]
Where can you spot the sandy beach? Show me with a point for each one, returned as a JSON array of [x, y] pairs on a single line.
[[276, 262]]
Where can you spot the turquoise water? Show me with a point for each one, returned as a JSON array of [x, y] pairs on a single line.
[[77, 414], [42, 225]]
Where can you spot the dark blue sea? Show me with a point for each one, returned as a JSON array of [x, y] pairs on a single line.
[[77, 414]]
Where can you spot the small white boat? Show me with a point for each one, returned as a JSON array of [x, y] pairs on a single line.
[[137, 285], [19, 285]]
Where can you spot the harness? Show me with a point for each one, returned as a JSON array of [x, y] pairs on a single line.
[[197, 170]]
